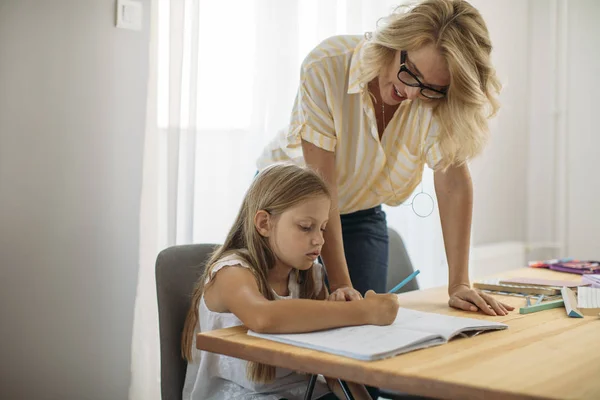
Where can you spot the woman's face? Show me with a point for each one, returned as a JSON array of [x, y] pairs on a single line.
[[426, 63]]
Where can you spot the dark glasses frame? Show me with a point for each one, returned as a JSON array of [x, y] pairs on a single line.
[[439, 94]]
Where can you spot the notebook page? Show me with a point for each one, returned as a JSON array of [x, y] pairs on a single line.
[[410, 331], [444, 325], [592, 279], [366, 342], [588, 297]]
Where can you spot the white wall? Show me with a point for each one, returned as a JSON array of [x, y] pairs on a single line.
[[499, 179], [72, 112], [582, 130], [537, 182], [543, 164], [564, 183]]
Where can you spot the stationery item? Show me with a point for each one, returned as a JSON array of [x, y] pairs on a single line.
[[496, 292], [570, 303], [577, 267], [544, 282], [404, 282], [548, 263], [537, 301], [541, 307], [588, 300], [412, 330], [494, 284], [568, 265], [592, 279]]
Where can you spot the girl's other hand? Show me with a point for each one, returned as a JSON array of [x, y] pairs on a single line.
[[345, 293]]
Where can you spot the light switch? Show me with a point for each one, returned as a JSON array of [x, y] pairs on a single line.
[[129, 15]]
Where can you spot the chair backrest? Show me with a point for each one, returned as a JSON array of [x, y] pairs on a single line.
[[399, 264], [177, 270]]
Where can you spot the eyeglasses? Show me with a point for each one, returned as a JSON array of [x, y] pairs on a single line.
[[410, 79]]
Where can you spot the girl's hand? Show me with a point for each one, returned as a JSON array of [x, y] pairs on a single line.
[[382, 308], [465, 298], [344, 293]]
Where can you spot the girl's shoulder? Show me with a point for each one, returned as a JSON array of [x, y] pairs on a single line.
[[234, 259]]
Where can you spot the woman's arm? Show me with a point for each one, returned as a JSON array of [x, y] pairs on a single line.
[[234, 289], [454, 190], [332, 253]]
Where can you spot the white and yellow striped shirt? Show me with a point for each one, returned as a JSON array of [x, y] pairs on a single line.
[[334, 111]]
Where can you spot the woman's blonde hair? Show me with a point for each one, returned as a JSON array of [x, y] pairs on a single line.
[[276, 189], [459, 33]]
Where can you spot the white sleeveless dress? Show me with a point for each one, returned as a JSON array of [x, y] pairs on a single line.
[[218, 377]]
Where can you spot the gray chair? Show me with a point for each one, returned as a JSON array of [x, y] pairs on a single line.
[[177, 270], [399, 264]]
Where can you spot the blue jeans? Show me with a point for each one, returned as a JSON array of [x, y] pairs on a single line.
[[366, 241]]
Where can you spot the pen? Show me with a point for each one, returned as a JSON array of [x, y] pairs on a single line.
[[404, 282]]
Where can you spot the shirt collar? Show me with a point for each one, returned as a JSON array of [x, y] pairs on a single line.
[[356, 68]]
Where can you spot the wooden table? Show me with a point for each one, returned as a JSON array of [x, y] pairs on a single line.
[[541, 355]]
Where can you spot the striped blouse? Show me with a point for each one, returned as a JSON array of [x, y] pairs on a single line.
[[334, 111]]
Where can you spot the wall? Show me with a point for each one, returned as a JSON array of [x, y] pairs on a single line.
[[563, 179], [72, 112], [543, 164], [582, 133], [498, 174]]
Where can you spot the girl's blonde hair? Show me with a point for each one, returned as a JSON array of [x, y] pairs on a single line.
[[459, 33], [276, 189]]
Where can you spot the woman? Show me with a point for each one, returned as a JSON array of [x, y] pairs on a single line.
[[370, 112]]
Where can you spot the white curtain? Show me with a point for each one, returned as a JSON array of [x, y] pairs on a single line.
[[223, 77]]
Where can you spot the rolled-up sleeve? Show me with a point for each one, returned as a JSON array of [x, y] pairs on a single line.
[[431, 149], [311, 117], [433, 155]]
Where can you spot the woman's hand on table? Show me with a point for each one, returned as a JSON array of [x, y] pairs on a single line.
[[464, 298]]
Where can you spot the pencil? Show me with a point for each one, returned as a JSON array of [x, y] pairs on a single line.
[[404, 282]]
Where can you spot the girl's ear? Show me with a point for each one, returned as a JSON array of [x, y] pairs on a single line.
[[262, 222]]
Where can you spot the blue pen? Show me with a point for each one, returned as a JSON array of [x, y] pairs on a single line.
[[404, 282]]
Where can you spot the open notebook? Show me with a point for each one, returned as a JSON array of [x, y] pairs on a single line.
[[412, 330]]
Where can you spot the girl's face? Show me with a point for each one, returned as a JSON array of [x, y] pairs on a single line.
[[426, 63], [296, 236]]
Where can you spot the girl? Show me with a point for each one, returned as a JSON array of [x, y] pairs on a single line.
[[269, 255]]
